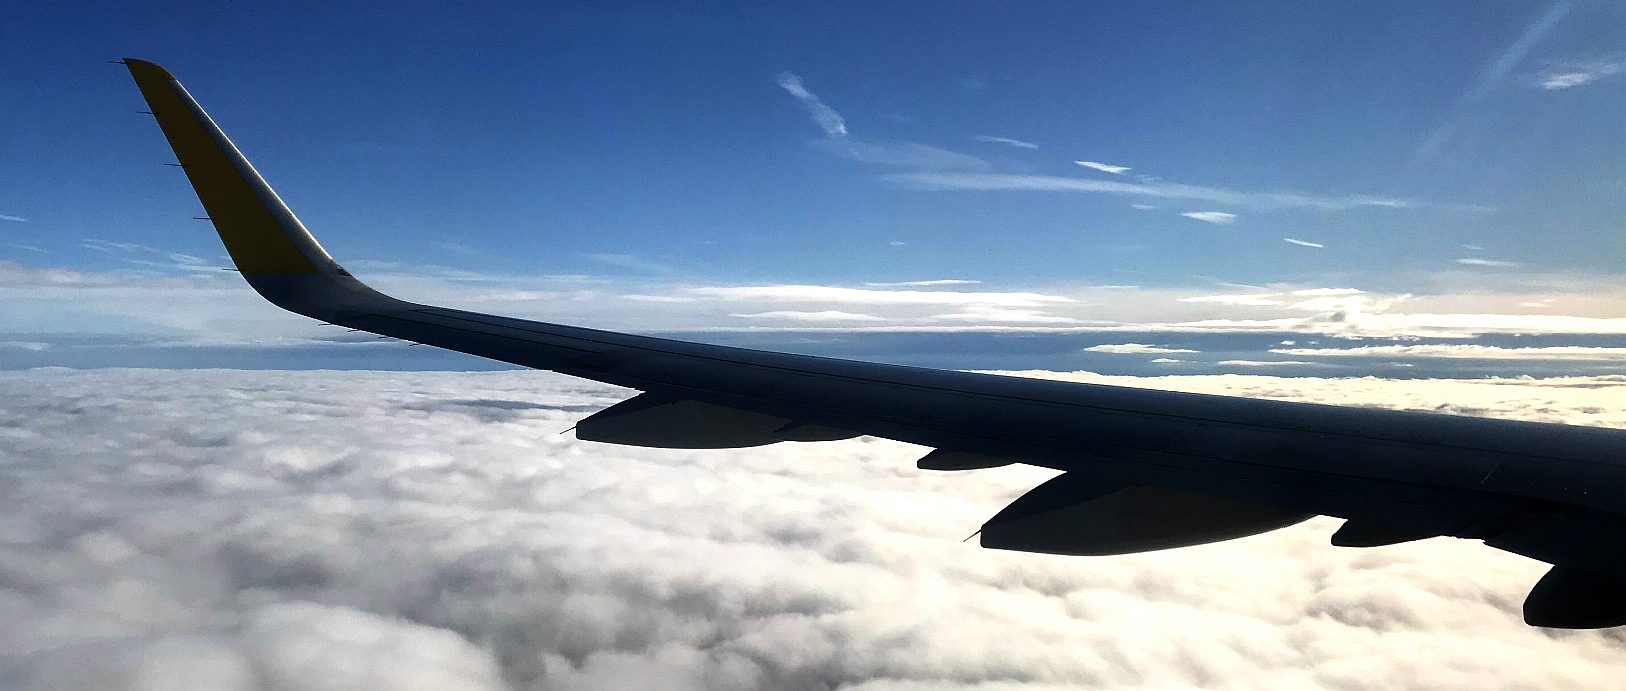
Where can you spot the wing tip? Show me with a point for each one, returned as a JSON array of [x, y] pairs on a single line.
[[147, 68]]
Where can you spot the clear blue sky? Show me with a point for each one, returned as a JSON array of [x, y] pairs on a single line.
[[840, 144]]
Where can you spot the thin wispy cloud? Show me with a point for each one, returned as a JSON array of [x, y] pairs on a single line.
[[630, 262], [1250, 300], [1473, 248], [824, 116], [900, 154], [1465, 351], [1142, 207], [1578, 74], [151, 257], [1515, 53], [1475, 261], [1215, 217], [861, 296], [896, 154], [1006, 141], [818, 316], [995, 182], [1263, 363], [995, 314], [1103, 167], [13, 219], [1303, 243], [931, 282], [1492, 77], [31, 248]]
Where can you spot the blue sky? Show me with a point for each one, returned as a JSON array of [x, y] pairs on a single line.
[[1349, 170]]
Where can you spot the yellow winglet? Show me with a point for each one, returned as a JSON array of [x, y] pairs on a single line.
[[260, 233]]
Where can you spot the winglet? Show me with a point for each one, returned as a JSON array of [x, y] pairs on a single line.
[[269, 245]]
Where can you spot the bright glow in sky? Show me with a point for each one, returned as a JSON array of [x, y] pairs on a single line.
[[1068, 167]]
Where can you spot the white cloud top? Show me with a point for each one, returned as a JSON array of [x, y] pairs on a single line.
[[321, 530], [1134, 349]]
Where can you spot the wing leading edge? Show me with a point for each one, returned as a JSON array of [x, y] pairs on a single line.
[[1143, 469]]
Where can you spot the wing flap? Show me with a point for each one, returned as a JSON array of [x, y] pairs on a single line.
[[1079, 514]]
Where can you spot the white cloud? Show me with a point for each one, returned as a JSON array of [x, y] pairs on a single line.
[[1216, 217], [1475, 261], [1473, 248], [821, 316], [317, 530], [995, 314], [1142, 207], [31, 248], [1466, 350], [1304, 243], [926, 283], [1452, 129], [1161, 190], [861, 296], [1263, 363], [149, 257], [630, 262], [900, 154], [824, 116], [1166, 361], [1251, 300], [1103, 167], [897, 154], [13, 219], [1134, 349], [1580, 73], [1006, 141]]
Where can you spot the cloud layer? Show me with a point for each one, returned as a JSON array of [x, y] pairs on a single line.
[[317, 530]]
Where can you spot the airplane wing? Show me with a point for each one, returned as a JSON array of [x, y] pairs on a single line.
[[1143, 469]]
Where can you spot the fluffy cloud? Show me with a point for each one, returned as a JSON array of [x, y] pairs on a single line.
[[1134, 349], [319, 530]]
